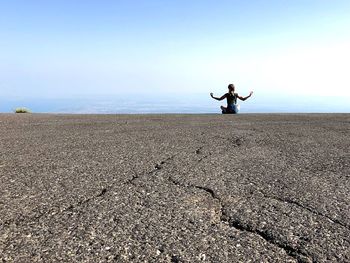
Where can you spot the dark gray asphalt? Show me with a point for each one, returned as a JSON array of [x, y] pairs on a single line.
[[175, 188]]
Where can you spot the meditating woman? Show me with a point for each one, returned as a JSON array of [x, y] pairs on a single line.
[[231, 97]]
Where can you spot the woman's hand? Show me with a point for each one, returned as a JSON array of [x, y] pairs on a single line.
[[211, 94], [251, 93]]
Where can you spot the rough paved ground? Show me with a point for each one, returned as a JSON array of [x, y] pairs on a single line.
[[175, 188]]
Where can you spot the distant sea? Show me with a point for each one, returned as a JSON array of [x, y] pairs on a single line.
[[177, 103]]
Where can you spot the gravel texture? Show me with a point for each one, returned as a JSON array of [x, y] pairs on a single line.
[[175, 188]]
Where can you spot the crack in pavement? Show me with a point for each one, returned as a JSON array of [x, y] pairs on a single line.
[[199, 150], [206, 189], [296, 203], [22, 219], [82, 202], [235, 140], [19, 220], [158, 166], [299, 255], [295, 253]]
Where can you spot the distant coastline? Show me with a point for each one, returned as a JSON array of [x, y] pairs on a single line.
[[174, 104]]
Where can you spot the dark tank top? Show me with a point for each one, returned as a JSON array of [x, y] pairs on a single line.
[[231, 98]]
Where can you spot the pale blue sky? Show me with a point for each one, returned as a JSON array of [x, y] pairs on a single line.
[[69, 48]]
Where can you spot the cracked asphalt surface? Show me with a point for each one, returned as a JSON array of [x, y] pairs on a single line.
[[175, 188]]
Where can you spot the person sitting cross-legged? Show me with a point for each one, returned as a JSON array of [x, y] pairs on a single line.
[[231, 98]]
